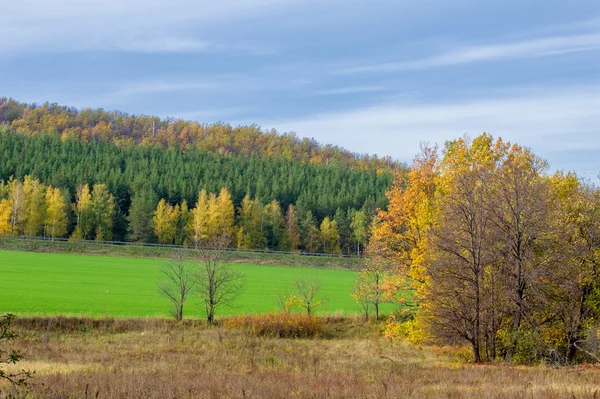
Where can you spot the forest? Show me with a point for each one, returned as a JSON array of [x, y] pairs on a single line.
[[327, 192], [121, 128]]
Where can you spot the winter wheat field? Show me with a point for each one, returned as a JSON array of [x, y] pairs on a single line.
[[84, 285]]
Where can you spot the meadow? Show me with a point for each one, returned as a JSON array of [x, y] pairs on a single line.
[[84, 285], [153, 358]]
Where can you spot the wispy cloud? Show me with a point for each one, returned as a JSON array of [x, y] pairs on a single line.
[[129, 25], [350, 90], [491, 52], [566, 119], [163, 45]]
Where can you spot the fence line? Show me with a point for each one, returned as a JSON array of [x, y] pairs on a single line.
[[149, 244]]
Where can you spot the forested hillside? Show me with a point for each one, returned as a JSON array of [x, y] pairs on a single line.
[[121, 128], [145, 160]]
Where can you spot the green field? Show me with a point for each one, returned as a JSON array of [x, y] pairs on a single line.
[[69, 284]]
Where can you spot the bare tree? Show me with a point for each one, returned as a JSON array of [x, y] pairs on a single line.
[[179, 281], [370, 285], [307, 290], [218, 284]]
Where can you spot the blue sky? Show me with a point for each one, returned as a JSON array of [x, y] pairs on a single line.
[[376, 76]]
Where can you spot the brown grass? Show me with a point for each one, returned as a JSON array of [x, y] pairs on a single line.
[[277, 325], [161, 359]]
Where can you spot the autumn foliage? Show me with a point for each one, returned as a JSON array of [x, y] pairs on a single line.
[[496, 252]]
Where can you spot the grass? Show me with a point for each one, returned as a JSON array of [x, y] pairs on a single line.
[[71, 284], [161, 359], [137, 251]]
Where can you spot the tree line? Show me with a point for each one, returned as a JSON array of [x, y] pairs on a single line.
[[136, 170], [30, 208], [495, 251], [122, 129]]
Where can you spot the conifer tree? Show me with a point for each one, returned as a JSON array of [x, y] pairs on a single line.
[[274, 224], [251, 214], [143, 204]]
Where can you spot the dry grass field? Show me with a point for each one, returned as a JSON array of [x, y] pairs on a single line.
[[145, 358]]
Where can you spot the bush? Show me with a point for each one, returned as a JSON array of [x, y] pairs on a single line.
[[278, 325]]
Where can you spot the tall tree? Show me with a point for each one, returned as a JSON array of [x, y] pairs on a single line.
[[5, 215], [331, 236], [55, 224], [463, 247], [143, 204], [183, 220], [360, 228], [343, 223], [520, 206], [32, 217], [103, 208], [274, 225], [84, 217], [292, 229], [574, 294], [221, 214], [199, 220], [16, 196], [250, 216], [165, 222]]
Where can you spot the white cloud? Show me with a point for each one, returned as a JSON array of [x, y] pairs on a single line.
[[555, 123], [163, 45], [490, 52], [128, 25], [350, 90]]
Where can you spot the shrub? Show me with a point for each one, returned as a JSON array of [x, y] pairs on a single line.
[[278, 325], [405, 326]]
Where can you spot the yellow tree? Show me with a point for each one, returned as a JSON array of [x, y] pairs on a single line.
[[165, 222], [398, 233], [5, 214], [32, 217], [331, 236], [360, 229], [522, 209], [16, 196], [83, 212], [222, 214], [197, 227], [55, 224], [460, 249], [576, 286]]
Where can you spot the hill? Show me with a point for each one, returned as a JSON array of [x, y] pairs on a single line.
[[150, 159]]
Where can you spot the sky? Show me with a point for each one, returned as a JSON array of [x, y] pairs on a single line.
[[372, 76]]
